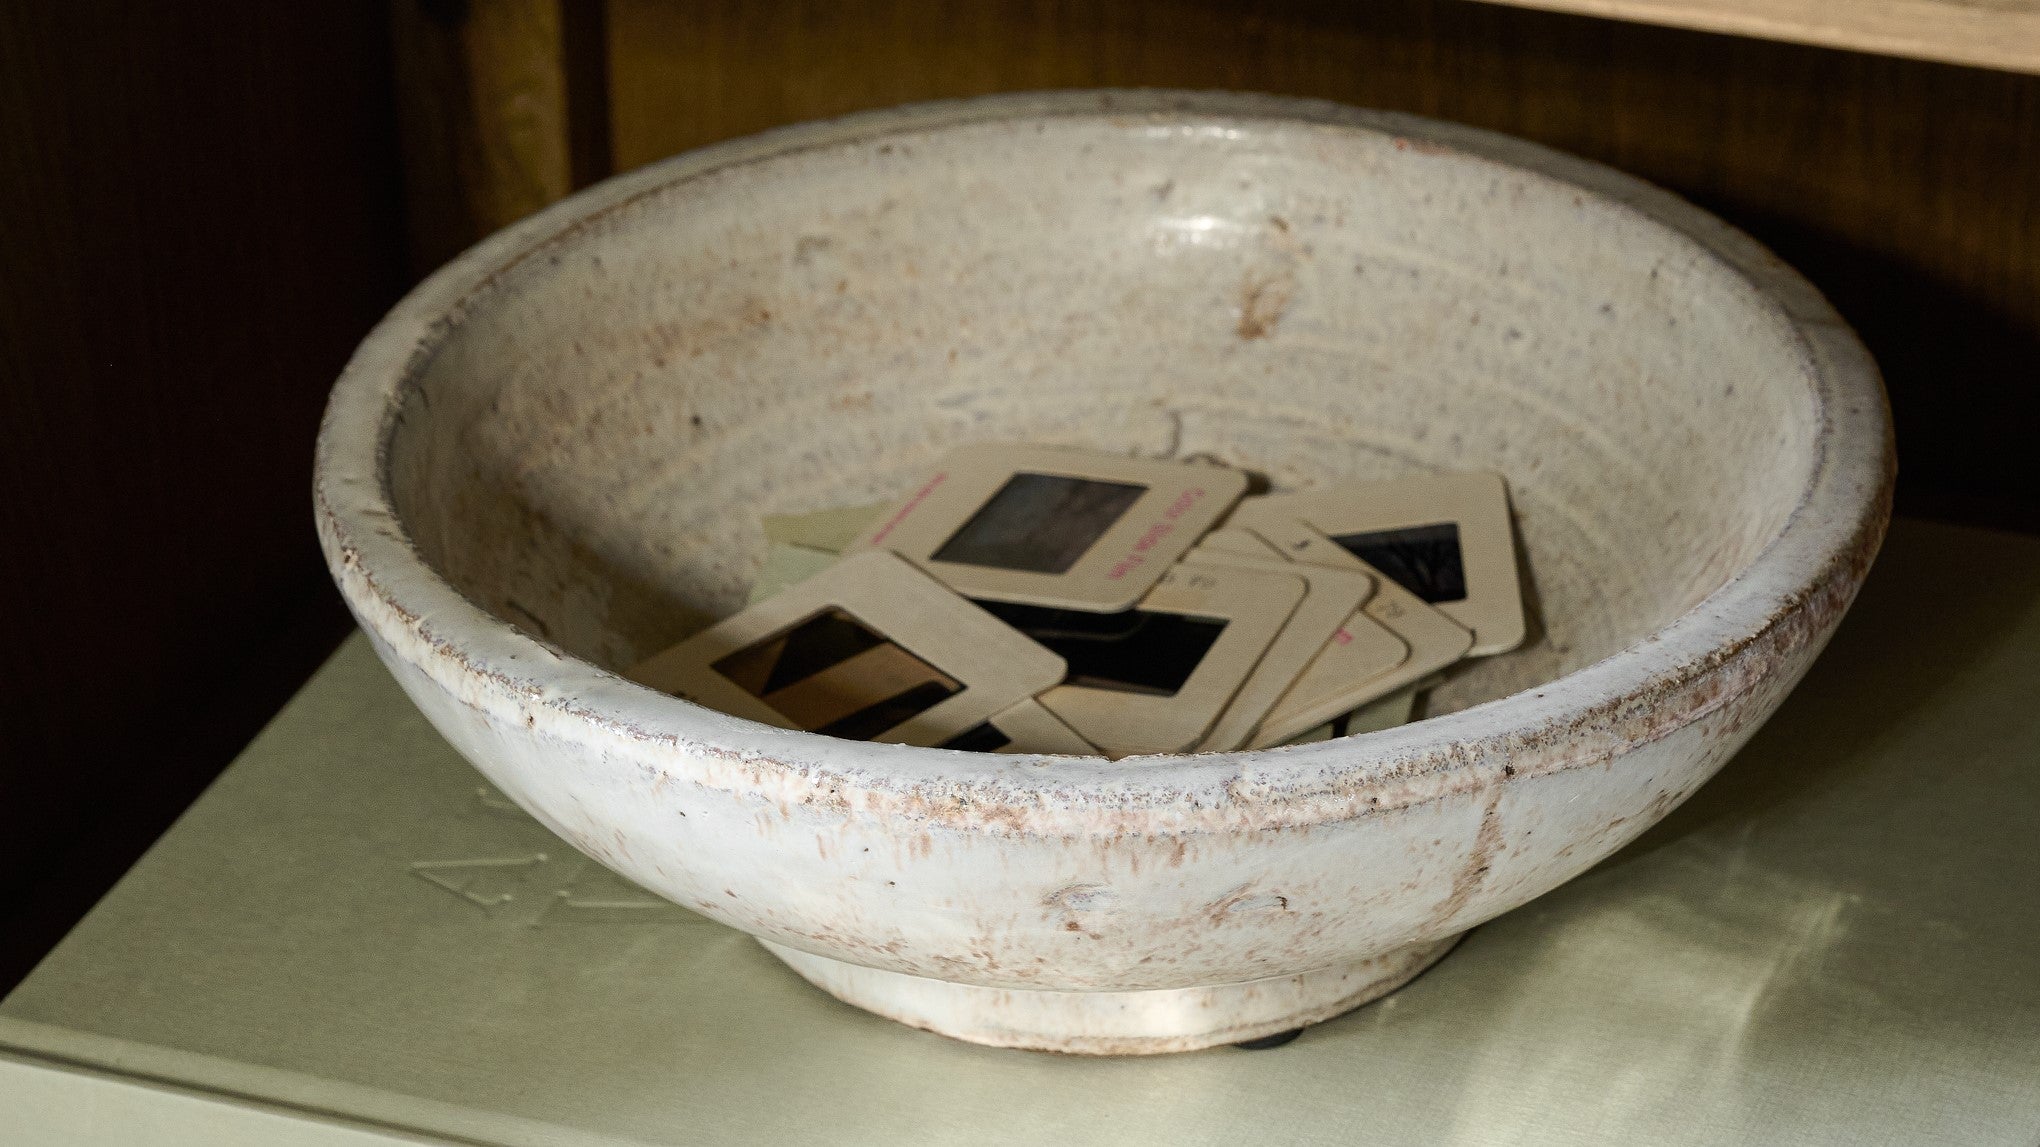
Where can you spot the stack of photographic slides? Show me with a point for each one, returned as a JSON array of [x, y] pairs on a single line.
[[1027, 599]]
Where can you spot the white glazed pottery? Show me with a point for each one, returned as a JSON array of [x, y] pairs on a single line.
[[551, 458]]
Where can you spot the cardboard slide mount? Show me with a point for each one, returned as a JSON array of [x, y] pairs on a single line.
[[1046, 526], [919, 636], [1025, 728], [1332, 596], [1329, 687], [1253, 607], [1446, 537]]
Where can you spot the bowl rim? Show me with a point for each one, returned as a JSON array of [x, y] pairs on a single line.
[[1791, 593]]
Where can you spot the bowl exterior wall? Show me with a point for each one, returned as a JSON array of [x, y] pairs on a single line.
[[1124, 907], [1155, 873]]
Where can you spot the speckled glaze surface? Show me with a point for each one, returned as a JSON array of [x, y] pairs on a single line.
[[551, 458]]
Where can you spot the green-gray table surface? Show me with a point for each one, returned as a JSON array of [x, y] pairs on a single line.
[[350, 939]]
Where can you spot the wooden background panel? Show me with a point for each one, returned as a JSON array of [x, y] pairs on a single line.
[[503, 109], [199, 217], [1909, 192]]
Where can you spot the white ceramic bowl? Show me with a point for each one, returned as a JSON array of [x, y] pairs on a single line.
[[550, 460]]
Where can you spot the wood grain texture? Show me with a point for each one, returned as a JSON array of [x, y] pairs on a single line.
[[501, 107], [1982, 33], [1908, 191], [199, 214]]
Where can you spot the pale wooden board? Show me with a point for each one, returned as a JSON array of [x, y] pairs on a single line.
[[1982, 33]]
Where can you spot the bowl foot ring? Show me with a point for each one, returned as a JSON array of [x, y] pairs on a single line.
[[1257, 1014]]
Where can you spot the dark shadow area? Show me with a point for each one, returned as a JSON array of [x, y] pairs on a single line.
[[1965, 390], [200, 218]]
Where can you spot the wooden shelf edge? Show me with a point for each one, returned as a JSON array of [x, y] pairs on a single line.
[[2000, 34]]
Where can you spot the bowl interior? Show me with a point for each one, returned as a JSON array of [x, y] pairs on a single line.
[[588, 450]]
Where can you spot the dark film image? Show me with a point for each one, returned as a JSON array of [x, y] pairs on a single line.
[[1134, 651], [1040, 523], [833, 675], [983, 737], [1422, 559]]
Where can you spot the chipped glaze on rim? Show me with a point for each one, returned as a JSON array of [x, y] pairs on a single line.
[[1788, 596]]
